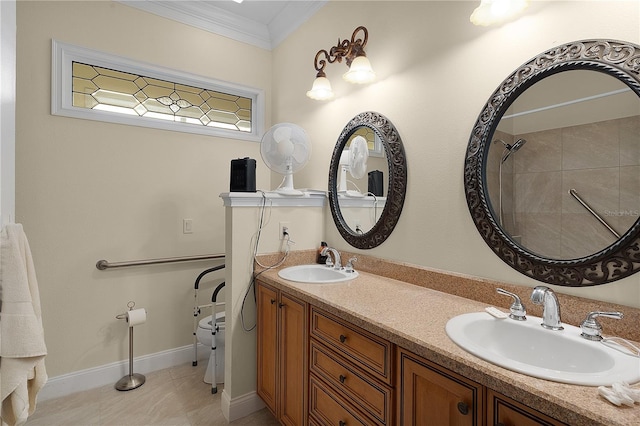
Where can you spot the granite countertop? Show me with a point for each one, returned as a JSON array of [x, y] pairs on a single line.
[[414, 317]]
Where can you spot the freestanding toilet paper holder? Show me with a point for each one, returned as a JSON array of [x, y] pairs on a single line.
[[130, 381]]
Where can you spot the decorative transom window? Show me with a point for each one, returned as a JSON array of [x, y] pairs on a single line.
[[373, 142], [97, 86]]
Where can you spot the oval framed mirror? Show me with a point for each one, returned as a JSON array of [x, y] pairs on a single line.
[[552, 168], [366, 215]]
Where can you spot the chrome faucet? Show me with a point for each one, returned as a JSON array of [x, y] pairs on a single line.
[[551, 308], [336, 257], [591, 328]]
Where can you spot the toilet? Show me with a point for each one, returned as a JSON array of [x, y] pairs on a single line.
[[203, 334]]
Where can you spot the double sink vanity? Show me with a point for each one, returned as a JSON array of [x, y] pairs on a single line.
[[396, 344], [375, 350]]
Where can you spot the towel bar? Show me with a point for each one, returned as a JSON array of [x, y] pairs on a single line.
[[104, 264]]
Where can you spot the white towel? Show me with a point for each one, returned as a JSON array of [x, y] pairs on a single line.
[[22, 346]]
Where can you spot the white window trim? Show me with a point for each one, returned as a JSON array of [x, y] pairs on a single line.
[[7, 112], [63, 55]]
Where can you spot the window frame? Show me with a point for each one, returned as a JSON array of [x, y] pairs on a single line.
[[63, 55]]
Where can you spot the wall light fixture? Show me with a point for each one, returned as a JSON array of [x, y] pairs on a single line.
[[494, 11], [352, 52]]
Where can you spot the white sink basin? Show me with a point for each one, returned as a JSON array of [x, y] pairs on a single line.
[[524, 346], [318, 274]]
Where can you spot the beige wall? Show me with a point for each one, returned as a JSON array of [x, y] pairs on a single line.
[[88, 190], [435, 71], [305, 228]]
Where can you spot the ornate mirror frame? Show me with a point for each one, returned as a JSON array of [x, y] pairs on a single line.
[[396, 160], [622, 258]]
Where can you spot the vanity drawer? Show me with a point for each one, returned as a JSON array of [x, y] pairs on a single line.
[[366, 350], [371, 396], [327, 408]]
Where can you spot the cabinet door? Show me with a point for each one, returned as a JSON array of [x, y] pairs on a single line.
[[503, 411], [293, 364], [431, 395], [267, 343]]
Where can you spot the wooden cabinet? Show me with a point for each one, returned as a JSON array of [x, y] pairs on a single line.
[[267, 344], [282, 348], [431, 395], [350, 374], [317, 369], [504, 411]]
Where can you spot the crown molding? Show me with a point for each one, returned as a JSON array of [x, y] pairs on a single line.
[[294, 14], [205, 16]]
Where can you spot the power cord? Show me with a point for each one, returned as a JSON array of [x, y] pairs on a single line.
[[286, 241], [375, 206]]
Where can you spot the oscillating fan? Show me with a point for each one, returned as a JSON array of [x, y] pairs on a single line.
[[353, 160], [285, 149]]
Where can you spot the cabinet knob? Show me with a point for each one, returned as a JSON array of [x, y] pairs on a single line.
[[463, 408], [273, 301], [342, 378], [281, 305], [343, 338], [342, 423]]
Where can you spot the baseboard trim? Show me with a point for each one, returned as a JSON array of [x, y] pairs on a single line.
[[241, 406], [110, 373]]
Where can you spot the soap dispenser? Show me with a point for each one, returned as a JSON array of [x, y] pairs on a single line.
[[320, 258]]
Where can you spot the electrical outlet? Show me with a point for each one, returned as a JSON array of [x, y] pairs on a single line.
[[284, 227], [187, 226]]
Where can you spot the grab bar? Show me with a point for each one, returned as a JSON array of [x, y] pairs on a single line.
[[103, 264], [575, 195]]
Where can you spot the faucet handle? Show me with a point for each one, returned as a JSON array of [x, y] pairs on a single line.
[[349, 266], [591, 328], [517, 309]]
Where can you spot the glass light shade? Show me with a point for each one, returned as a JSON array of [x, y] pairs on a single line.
[[321, 89], [493, 11], [360, 71]]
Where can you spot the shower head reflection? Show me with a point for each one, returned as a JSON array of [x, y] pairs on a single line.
[[510, 149]]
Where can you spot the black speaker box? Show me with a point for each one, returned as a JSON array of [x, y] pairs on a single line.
[[243, 175], [376, 183]]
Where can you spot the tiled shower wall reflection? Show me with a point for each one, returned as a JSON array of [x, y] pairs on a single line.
[[601, 161]]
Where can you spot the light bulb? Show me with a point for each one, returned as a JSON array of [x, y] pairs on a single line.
[[493, 11], [500, 8], [321, 89], [360, 71]]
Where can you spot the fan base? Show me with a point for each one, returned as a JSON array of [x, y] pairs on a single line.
[[289, 191], [351, 194]]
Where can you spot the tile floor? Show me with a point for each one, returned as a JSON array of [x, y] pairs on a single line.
[[174, 396]]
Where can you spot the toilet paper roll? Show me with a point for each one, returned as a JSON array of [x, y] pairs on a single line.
[[136, 317]]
